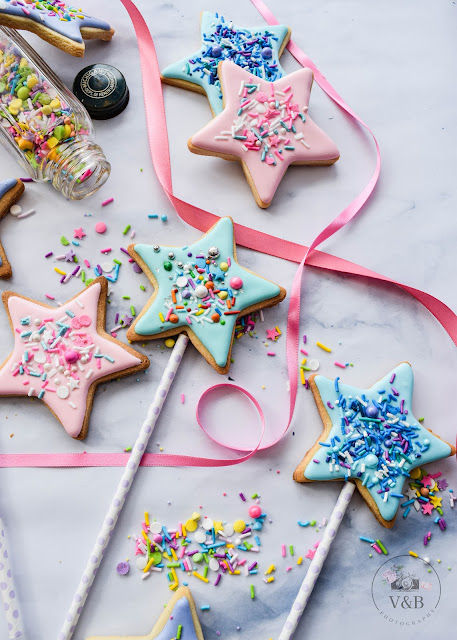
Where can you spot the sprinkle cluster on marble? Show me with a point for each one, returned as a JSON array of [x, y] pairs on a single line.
[[201, 289], [208, 549], [56, 354], [424, 494], [251, 50], [106, 265], [269, 124]]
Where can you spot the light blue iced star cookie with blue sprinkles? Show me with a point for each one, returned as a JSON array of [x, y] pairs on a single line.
[[372, 438], [255, 49], [200, 289]]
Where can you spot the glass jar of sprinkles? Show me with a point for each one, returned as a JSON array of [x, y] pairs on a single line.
[[43, 125]]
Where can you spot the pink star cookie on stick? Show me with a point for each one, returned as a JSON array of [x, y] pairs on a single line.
[[61, 354], [266, 127]]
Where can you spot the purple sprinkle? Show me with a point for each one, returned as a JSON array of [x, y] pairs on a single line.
[[392, 378], [329, 404], [123, 568], [48, 255], [218, 579], [125, 251], [316, 461], [242, 497]]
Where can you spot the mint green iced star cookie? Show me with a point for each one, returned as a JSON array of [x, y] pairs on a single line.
[[200, 289]]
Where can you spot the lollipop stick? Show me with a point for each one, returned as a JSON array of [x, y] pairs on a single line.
[[317, 562], [8, 591], [122, 490]]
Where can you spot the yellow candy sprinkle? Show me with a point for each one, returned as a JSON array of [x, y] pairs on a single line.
[[170, 343], [239, 526]]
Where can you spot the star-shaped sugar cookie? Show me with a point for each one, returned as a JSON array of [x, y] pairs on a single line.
[[55, 21], [200, 289], [256, 49], [179, 619], [61, 354], [266, 127], [10, 192], [372, 438]]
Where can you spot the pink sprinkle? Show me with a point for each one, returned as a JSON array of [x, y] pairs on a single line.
[[87, 263], [25, 382], [283, 550], [107, 202], [169, 312], [182, 398], [229, 262], [288, 88], [340, 364], [107, 250], [271, 353], [279, 155], [189, 321], [304, 352], [288, 569], [48, 295]]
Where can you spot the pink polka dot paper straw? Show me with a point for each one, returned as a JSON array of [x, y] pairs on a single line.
[[317, 562], [123, 488], [8, 591]]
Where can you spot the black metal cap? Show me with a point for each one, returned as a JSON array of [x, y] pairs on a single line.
[[103, 91]]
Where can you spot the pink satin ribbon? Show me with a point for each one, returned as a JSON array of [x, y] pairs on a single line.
[[250, 238]]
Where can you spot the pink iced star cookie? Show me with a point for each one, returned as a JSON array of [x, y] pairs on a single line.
[[265, 126], [61, 354]]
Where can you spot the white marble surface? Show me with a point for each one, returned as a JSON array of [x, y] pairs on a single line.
[[394, 63]]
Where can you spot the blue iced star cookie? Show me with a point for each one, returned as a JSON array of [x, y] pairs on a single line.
[[202, 290], [371, 437], [55, 21], [256, 49], [179, 619], [10, 192]]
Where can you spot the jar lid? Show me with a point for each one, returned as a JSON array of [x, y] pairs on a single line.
[[102, 89]]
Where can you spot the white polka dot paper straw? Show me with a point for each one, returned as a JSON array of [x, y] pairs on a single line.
[[317, 562], [8, 591], [124, 485]]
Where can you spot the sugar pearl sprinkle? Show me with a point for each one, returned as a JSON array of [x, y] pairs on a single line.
[[201, 288], [56, 354], [271, 124]]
